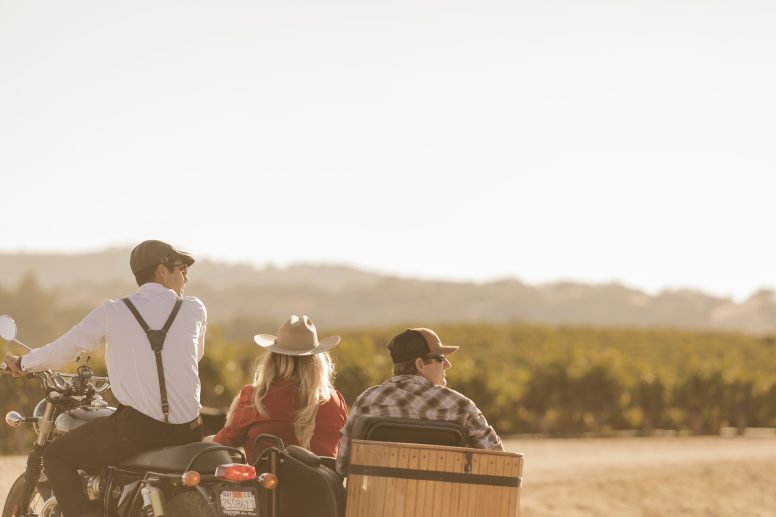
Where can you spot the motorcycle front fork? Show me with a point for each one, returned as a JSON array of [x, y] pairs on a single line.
[[32, 475]]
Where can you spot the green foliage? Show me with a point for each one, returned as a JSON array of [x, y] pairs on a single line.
[[573, 380], [553, 380]]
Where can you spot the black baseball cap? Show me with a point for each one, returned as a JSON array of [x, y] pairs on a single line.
[[417, 342], [152, 253]]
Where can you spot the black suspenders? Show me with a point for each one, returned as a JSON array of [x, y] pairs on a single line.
[[156, 339]]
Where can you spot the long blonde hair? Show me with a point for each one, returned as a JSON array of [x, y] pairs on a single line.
[[314, 377]]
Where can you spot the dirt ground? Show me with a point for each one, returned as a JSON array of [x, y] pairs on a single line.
[[691, 476]]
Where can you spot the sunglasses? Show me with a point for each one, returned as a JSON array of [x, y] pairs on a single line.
[[438, 358], [181, 267]]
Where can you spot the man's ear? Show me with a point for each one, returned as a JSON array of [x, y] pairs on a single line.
[[419, 364], [159, 274]]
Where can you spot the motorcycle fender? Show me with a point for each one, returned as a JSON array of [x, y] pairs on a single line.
[[209, 495], [130, 502]]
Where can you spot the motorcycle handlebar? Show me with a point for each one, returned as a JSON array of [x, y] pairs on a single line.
[[62, 382], [67, 383]]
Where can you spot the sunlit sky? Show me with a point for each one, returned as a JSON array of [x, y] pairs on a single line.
[[593, 141]]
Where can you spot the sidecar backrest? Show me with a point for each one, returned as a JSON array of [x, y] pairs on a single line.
[[177, 458], [310, 458], [408, 430], [303, 455]]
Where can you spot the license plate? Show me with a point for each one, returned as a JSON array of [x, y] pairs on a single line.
[[238, 502]]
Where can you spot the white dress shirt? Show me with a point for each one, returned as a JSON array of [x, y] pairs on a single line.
[[128, 355]]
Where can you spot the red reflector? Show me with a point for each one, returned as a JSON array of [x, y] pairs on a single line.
[[235, 472]]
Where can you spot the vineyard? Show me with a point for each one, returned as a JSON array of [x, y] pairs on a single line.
[[527, 379]]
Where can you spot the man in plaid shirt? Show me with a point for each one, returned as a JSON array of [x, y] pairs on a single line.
[[418, 390]]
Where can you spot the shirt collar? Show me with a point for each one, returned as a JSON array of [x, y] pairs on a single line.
[[410, 379], [154, 287]]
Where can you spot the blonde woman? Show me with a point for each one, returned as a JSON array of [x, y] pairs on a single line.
[[292, 395]]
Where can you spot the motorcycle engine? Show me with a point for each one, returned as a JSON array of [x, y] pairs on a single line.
[[92, 486]]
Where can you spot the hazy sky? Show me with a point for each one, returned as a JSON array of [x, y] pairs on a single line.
[[596, 141]]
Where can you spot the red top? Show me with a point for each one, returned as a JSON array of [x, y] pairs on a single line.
[[280, 403]]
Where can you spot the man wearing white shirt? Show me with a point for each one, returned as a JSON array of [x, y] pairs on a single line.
[[159, 399]]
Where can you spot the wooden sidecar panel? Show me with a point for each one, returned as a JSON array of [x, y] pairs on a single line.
[[412, 480]]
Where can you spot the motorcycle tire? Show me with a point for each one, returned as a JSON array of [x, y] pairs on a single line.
[[13, 502], [189, 504]]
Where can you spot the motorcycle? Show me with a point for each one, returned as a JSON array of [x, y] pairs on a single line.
[[177, 481], [194, 480]]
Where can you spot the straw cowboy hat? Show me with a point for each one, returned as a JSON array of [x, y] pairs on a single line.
[[297, 336]]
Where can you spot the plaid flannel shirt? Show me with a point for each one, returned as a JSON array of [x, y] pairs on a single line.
[[414, 396]]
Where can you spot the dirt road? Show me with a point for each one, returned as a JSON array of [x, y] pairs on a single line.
[[706, 476], [703, 476], [10, 468]]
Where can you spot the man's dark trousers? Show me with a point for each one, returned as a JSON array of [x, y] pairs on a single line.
[[106, 441]]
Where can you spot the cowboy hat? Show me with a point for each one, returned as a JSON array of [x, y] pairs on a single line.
[[296, 336]]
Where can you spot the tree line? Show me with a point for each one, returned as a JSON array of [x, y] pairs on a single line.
[[568, 381], [526, 378], [571, 381]]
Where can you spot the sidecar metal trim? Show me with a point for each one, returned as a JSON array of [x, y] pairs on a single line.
[[430, 475]]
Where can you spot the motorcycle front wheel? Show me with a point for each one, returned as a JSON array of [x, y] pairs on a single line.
[[13, 503], [189, 504]]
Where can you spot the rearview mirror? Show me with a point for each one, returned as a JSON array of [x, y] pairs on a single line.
[[7, 328]]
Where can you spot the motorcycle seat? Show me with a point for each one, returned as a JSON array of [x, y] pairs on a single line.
[[178, 457]]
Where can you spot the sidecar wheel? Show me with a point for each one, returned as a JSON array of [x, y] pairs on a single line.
[[13, 502], [189, 504]]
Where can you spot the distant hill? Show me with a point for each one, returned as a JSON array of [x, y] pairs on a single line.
[[242, 297]]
